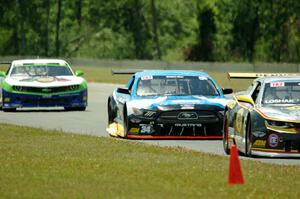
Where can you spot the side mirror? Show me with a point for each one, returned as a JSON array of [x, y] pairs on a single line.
[[245, 98], [2, 74], [123, 91], [79, 73], [227, 91]]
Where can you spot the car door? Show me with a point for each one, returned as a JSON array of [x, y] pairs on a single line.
[[123, 95], [242, 113]]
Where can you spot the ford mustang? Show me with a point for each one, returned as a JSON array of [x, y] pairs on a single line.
[[42, 83], [264, 120], [167, 104]]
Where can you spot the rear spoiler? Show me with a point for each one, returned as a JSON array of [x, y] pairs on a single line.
[[125, 71], [257, 75]]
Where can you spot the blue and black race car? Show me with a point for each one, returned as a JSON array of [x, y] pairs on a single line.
[[167, 104]]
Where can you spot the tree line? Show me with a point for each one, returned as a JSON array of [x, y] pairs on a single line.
[[197, 30]]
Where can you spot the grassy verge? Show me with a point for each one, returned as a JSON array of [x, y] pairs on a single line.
[[49, 164]]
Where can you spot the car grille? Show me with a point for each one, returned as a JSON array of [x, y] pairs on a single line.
[[189, 116], [46, 89], [204, 130]]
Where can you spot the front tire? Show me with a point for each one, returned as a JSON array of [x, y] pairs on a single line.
[[225, 135], [126, 123], [9, 109], [83, 108], [111, 115]]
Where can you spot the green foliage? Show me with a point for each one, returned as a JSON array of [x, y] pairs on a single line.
[[201, 30]]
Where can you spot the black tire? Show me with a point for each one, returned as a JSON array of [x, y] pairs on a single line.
[[9, 109], [225, 134], [126, 123], [248, 143], [83, 108], [111, 115]]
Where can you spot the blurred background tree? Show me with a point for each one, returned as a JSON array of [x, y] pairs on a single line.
[[198, 30]]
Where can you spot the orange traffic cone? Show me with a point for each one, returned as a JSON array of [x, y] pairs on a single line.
[[235, 172]]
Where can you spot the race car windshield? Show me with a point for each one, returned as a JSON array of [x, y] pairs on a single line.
[[281, 93], [176, 85], [40, 70]]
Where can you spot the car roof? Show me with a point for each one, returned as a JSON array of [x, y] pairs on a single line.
[[39, 61], [171, 72], [278, 78]]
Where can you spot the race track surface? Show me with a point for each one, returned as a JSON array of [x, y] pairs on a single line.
[[93, 122]]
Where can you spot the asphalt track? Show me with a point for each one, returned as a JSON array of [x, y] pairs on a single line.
[[93, 122]]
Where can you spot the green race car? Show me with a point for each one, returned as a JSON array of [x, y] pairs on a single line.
[[42, 83]]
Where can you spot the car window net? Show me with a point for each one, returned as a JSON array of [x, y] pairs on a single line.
[[168, 85], [32, 71], [282, 93]]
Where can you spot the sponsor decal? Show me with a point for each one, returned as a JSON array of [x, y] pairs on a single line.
[[276, 84], [173, 76], [187, 125], [45, 79], [293, 108], [148, 77], [259, 134], [62, 79], [271, 101], [134, 130], [146, 128], [202, 78], [259, 143], [273, 140], [187, 116], [239, 120], [187, 107]]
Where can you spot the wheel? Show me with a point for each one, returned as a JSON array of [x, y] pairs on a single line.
[[126, 123], [225, 135], [9, 109], [248, 144], [111, 115], [82, 108]]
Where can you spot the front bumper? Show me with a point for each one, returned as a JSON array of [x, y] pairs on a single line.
[[182, 137], [275, 154], [22, 100], [276, 144], [157, 128]]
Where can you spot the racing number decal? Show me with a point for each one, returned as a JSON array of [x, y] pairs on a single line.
[[239, 120]]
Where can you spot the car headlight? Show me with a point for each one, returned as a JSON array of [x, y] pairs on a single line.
[[137, 111], [280, 124], [143, 113]]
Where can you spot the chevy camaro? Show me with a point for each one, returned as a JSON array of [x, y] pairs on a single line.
[[167, 104], [264, 120], [42, 83]]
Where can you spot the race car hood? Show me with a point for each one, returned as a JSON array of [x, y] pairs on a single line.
[[50, 81], [286, 113], [180, 102]]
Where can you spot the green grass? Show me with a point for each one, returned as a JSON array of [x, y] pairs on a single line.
[[48, 164]]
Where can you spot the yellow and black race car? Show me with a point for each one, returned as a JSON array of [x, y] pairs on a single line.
[[264, 120]]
